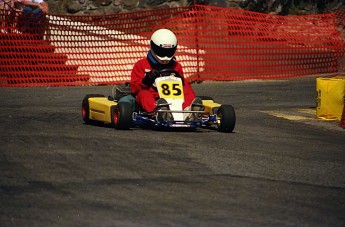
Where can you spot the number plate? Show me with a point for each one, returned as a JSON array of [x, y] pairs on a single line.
[[170, 87]]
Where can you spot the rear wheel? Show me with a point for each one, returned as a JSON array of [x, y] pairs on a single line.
[[226, 118], [121, 115], [85, 108]]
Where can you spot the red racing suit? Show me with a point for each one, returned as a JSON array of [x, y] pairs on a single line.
[[146, 96]]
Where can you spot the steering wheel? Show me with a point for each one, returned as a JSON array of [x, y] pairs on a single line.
[[169, 72]]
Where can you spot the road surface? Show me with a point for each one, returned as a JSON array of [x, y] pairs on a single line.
[[280, 167]]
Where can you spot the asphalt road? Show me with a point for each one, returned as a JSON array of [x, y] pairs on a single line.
[[276, 169]]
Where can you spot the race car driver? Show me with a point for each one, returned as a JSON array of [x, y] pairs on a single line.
[[163, 46]]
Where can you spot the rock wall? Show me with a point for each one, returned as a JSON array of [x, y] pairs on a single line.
[[281, 7]]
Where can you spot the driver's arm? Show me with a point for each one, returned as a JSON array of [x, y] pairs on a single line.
[[137, 75]]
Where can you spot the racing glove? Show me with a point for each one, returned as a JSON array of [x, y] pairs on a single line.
[[150, 77]]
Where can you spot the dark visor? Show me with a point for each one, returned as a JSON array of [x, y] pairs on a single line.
[[163, 52]]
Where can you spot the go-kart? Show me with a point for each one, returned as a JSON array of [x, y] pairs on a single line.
[[124, 115]]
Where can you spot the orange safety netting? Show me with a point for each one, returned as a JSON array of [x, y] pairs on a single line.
[[214, 44]]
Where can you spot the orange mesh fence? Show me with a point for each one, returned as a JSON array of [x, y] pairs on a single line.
[[214, 44]]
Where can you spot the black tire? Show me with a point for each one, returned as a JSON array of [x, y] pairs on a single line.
[[85, 108], [205, 98], [226, 118], [121, 115]]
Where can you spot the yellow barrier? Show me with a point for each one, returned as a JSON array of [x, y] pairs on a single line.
[[330, 94]]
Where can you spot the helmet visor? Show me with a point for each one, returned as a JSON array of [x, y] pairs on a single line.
[[163, 52]]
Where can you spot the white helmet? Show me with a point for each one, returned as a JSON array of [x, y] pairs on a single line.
[[163, 45]]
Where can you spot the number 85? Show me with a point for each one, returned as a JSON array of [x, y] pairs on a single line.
[[176, 90]]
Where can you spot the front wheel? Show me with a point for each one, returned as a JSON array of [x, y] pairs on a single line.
[[226, 118], [121, 115]]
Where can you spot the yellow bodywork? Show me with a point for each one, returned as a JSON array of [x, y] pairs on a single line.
[[210, 105], [100, 109]]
